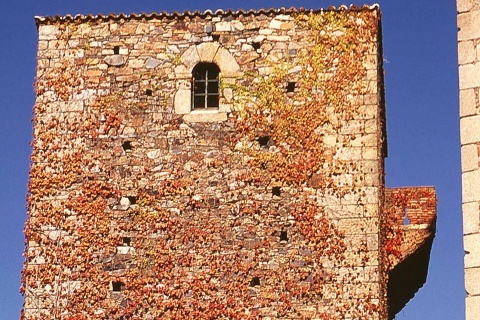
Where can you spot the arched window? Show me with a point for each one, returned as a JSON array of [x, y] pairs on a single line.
[[205, 86]]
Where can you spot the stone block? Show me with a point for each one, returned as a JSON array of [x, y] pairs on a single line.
[[472, 307], [190, 57], [205, 117], [466, 52], [468, 23], [370, 153], [465, 5], [471, 245], [223, 26], [153, 63], [469, 75], [183, 101], [207, 51], [470, 186], [471, 217], [48, 32], [468, 102], [469, 157], [469, 132], [275, 24], [115, 60], [247, 57], [136, 63], [227, 63]]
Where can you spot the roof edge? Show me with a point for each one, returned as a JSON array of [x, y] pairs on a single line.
[[219, 12]]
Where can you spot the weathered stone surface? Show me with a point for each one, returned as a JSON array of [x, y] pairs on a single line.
[[190, 57], [468, 102], [223, 26], [152, 63], [465, 5], [470, 180], [471, 244], [248, 57], [191, 190], [466, 52], [468, 25], [227, 63], [469, 75], [115, 60], [183, 101], [468, 132], [471, 217], [470, 157], [207, 51]]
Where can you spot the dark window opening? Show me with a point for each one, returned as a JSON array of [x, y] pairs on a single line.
[[117, 286], [205, 86], [215, 37], [126, 241], [276, 191], [116, 50], [291, 87], [263, 141], [256, 45], [132, 199], [255, 282], [283, 236], [127, 145], [406, 220], [149, 92]]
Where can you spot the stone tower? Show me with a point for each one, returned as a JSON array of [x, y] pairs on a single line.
[[469, 73], [217, 165]]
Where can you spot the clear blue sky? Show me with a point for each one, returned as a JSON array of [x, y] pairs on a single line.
[[422, 122]]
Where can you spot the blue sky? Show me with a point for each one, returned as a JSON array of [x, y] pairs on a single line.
[[422, 121]]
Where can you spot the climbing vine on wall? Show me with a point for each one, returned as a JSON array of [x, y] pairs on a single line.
[[114, 232]]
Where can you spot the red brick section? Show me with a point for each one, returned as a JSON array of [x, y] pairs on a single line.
[[408, 246], [420, 203]]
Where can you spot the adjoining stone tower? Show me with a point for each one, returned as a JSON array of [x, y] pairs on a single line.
[[225, 165], [469, 73]]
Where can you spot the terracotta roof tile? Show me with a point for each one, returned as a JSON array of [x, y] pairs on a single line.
[[219, 12]]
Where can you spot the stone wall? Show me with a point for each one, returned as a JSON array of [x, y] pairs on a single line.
[[268, 206], [469, 81]]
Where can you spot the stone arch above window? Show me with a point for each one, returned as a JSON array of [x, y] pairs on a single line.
[[209, 52]]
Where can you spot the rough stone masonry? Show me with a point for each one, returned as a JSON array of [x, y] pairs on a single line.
[[217, 165]]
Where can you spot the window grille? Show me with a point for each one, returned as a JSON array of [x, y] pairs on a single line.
[[205, 86]]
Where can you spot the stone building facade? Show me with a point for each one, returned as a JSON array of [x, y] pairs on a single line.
[[217, 165], [468, 20]]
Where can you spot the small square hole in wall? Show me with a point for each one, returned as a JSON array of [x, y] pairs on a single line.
[[127, 145], [283, 236], [117, 286], [276, 191], [406, 220], [149, 92], [263, 141], [126, 241], [116, 50], [256, 45], [132, 199], [255, 282], [291, 86]]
